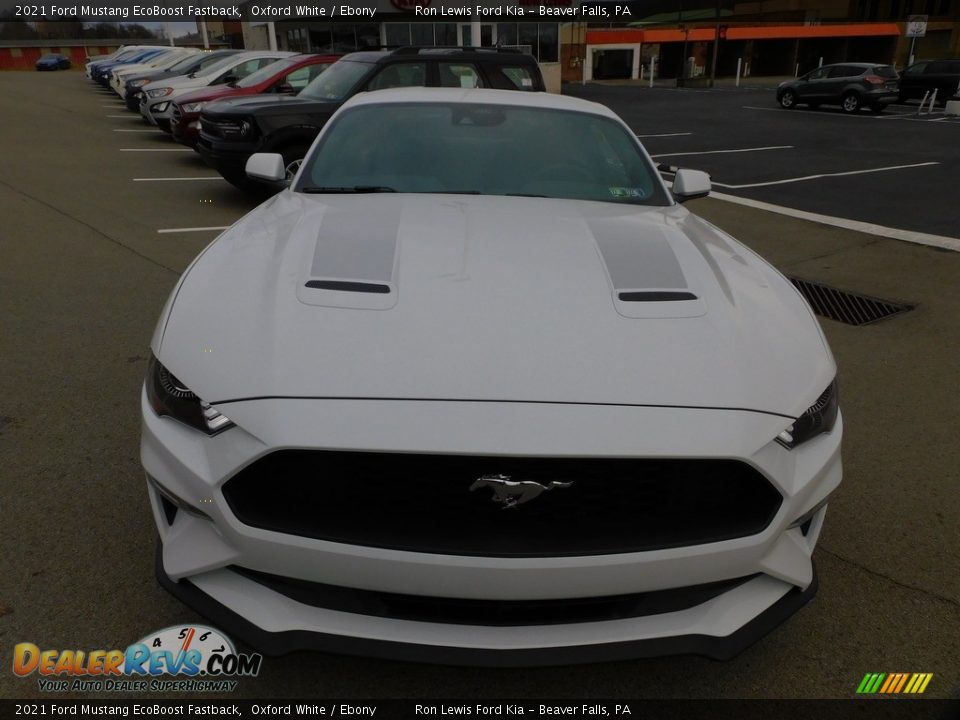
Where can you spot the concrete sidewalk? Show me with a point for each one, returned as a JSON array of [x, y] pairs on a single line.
[[724, 83]]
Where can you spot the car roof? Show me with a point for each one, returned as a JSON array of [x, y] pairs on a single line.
[[858, 64], [505, 55], [515, 98]]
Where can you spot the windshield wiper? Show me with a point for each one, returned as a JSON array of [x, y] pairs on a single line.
[[344, 190]]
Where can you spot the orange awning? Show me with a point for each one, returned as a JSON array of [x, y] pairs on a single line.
[[630, 36]]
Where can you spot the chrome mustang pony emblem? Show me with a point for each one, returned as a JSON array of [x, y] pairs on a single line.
[[511, 493]]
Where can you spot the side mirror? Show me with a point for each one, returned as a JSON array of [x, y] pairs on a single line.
[[266, 166], [229, 78], [689, 184]]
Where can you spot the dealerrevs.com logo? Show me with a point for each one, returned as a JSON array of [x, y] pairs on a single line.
[[201, 659]]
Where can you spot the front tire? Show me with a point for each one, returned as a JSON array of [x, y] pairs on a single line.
[[788, 100], [850, 103]]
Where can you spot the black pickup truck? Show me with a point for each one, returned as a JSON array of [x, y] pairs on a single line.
[[232, 130]]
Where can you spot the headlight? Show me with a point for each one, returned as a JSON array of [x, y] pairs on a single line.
[[192, 107], [171, 398], [138, 83], [159, 92], [819, 418]]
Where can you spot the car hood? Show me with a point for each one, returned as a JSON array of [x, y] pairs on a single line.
[[490, 298], [181, 83], [264, 101], [208, 94]]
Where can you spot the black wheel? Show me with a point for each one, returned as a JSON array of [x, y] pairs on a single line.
[[850, 103], [788, 100]]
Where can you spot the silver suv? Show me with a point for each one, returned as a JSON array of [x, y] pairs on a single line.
[[849, 85]]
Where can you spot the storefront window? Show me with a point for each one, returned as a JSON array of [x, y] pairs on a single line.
[[368, 36], [549, 50], [421, 34], [507, 33], [397, 33], [344, 38], [320, 40], [446, 34], [528, 36]]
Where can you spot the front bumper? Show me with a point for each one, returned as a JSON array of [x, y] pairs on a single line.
[[157, 111], [396, 646], [186, 129], [206, 552]]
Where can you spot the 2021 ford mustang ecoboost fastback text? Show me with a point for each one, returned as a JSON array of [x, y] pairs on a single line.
[[476, 388]]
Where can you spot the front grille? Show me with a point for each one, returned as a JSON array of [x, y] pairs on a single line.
[[503, 613], [220, 128], [423, 503], [177, 114]]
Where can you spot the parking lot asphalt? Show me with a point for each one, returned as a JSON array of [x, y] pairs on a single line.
[[896, 169], [85, 270]]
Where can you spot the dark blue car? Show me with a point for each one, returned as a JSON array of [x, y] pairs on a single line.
[[53, 62], [101, 71]]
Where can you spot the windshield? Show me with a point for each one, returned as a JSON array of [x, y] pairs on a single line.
[[265, 73], [223, 64], [336, 81], [187, 63], [482, 149]]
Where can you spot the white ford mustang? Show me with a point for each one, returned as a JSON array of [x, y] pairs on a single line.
[[477, 389]]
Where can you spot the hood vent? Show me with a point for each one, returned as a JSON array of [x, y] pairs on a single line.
[[349, 286], [656, 296]]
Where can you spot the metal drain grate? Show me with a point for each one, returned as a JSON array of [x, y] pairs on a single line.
[[847, 307]]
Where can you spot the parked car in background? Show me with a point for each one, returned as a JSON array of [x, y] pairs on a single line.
[[191, 65], [127, 51], [284, 77], [53, 61], [231, 131], [156, 100], [929, 75], [374, 461], [120, 73], [852, 86], [101, 71]]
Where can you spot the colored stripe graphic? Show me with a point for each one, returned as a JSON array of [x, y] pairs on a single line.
[[894, 683]]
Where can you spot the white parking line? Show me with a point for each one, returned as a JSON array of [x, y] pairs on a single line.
[[908, 115], [193, 229], [664, 135], [156, 150], [940, 241], [823, 175], [720, 152], [205, 177], [137, 131], [128, 116]]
